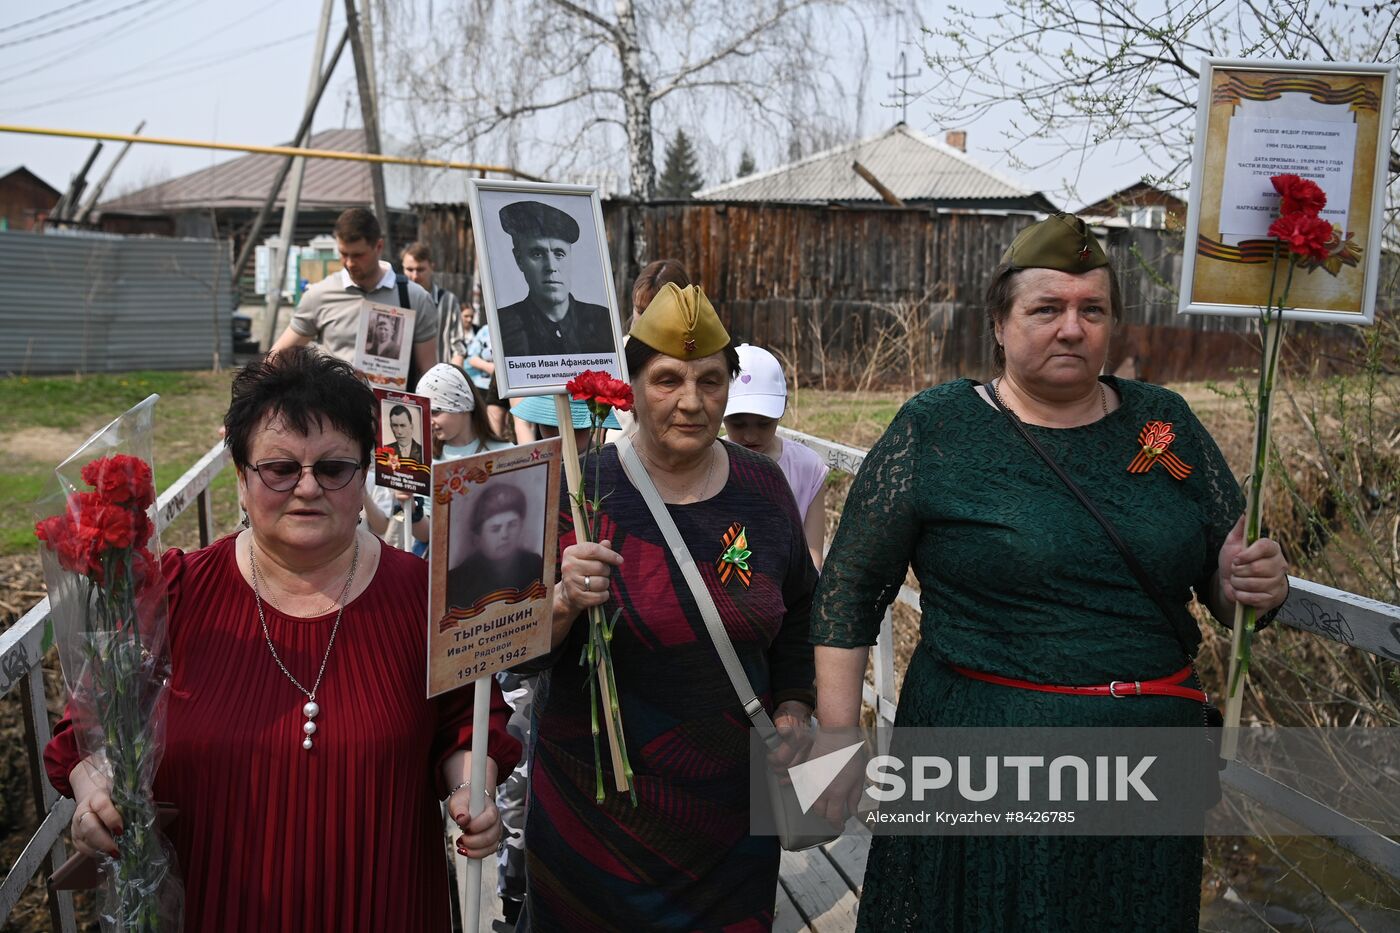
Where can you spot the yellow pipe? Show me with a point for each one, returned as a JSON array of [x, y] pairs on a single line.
[[267, 150]]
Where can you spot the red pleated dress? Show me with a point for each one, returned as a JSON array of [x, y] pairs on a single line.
[[272, 837]]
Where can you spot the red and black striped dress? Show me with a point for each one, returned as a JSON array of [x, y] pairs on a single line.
[[683, 859]]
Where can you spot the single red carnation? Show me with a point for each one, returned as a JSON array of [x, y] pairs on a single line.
[[601, 391], [51, 530], [114, 526], [82, 550], [1299, 195], [60, 534], [1304, 234], [121, 479]]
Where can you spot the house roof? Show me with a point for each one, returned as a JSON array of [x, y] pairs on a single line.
[[912, 165], [1135, 195], [329, 184], [7, 170]]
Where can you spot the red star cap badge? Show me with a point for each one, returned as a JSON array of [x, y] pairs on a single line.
[[690, 344]]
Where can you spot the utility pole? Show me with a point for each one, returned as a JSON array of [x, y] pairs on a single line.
[[106, 177], [250, 242], [371, 62], [371, 119], [68, 204], [901, 95], [277, 268]]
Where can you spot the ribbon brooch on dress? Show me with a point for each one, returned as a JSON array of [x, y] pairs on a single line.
[[735, 559], [1156, 437]]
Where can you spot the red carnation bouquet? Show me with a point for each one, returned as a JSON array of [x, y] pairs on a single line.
[[108, 604], [602, 393], [1302, 240]]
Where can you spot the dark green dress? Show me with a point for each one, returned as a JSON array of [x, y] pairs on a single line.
[[1017, 579]]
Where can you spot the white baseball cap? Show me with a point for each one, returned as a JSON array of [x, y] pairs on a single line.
[[760, 388]]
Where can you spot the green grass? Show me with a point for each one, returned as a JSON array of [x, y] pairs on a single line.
[[857, 419], [71, 402]]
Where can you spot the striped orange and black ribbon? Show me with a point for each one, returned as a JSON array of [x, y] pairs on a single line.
[[1156, 437], [1249, 252], [736, 542], [1236, 88], [456, 615]]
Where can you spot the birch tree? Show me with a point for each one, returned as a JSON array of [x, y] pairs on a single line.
[[569, 78], [1075, 74]]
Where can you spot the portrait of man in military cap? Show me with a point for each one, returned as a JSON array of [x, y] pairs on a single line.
[[550, 321], [547, 283]]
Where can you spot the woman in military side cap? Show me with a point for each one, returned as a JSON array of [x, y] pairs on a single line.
[[682, 858], [1024, 595]]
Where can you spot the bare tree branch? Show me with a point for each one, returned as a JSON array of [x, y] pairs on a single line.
[[558, 79]]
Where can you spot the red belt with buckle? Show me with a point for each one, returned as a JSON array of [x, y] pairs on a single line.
[[1169, 686]]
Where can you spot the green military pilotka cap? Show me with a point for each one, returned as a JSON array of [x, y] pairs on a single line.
[[1061, 241]]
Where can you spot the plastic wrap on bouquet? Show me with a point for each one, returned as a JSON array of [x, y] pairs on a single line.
[[108, 602]]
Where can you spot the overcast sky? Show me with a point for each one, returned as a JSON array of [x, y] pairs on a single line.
[[210, 70]]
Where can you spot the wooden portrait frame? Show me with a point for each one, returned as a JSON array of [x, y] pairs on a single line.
[[505, 627], [1282, 115], [519, 370]]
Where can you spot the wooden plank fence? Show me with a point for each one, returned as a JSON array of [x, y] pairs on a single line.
[[819, 889], [892, 295]]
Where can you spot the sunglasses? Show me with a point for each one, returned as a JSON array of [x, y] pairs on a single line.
[[283, 475]]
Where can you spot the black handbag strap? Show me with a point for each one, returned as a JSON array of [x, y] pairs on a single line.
[[1139, 572], [414, 372]]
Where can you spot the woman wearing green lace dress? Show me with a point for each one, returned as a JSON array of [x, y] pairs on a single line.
[[1018, 581]]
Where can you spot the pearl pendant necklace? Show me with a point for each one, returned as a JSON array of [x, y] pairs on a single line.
[[310, 709], [309, 727]]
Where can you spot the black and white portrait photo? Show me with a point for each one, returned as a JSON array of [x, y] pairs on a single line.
[[383, 338], [547, 283], [497, 538], [384, 344], [403, 432], [403, 457]]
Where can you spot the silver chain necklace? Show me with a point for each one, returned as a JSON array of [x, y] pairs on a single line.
[[311, 709]]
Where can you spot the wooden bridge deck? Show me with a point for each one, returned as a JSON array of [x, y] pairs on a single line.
[[818, 889]]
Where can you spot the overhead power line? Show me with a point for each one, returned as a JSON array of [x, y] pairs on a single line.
[[92, 91], [164, 58], [82, 22], [50, 14], [28, 67]]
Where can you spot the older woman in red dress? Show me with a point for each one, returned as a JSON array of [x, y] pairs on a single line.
[[302, 756]]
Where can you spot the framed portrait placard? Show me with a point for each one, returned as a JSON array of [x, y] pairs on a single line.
[[491, 564], [1325, 121], [547, 284], [384, 344], [403, 458]]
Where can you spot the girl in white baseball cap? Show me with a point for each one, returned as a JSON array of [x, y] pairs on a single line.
[[757, 400]]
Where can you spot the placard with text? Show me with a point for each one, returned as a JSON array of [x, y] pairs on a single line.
[[492, 562], [1324, 121]]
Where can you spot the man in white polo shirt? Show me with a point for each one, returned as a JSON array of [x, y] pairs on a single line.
[[329, 312]]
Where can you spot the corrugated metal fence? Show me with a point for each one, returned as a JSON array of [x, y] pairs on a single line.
[[886, 295], [95, 303]]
